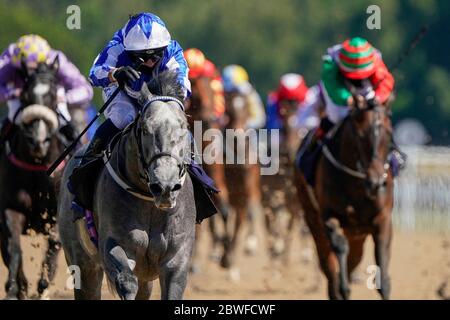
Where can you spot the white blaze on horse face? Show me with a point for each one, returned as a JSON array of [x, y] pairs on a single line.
[[41, 89], [239, 103], [41, 131]]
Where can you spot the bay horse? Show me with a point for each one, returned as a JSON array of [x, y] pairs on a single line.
[[144, 210], [27, 194], [242, 180], [200, 108], [352, 197], [279, 194]]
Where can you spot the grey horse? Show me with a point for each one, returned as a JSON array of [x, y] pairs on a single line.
[[145, 232]]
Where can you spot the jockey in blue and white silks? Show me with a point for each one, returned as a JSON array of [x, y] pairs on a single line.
[[137, 53], [144, 35], [143, 41]]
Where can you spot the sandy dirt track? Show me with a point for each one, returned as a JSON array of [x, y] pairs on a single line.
[[420, 264]]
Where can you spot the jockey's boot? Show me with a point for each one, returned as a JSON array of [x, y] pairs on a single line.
[[6, 131], [320, 133], [82, 181], [105, 132], [69, 132]]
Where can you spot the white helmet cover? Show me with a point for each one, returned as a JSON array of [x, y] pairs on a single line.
[[145, 31]]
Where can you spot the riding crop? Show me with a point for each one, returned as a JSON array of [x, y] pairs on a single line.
[[72, 146]]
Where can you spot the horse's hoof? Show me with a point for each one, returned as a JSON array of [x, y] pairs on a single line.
[[225, 262], [234, 274], [444, 291], [215, 254], [251, 245], [278, 247], [195, 269], [42, 286], [11, 297], [126, 285], [357, 277], [307, 255], [45, 295], [276, 274]]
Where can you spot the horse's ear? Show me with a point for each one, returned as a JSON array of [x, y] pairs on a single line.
[[55, 64]]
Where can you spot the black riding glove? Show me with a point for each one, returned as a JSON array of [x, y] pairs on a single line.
[[125, 76], [69, 132]]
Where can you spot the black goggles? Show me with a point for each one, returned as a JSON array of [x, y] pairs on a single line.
[[145, 55]]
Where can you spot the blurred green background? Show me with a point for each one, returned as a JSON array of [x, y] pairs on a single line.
[[268, 38]]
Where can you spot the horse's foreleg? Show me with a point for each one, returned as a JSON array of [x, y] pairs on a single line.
[[16, 285], [356, 251], [49, 265], [173, 280], [230, 250], [339, 244], [289, 235], [216, 238], [270, 232], [145, 290], [382, 237], [119, 269], [195, 264], [255, 209], [251, 242], [91, 277]]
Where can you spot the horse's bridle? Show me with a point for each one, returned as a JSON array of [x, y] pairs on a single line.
[[375, 129], [145, 165], [38, 74]]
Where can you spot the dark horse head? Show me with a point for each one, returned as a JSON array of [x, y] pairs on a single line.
[[40, 84], [37, 119], [366, 142]]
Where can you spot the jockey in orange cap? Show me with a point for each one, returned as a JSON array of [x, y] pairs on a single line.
[[199, 66]]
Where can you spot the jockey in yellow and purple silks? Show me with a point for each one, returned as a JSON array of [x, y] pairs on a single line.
[[29, 51], [144, 38]]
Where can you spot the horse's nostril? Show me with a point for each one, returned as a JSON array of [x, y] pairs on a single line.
[[176, 187], [155, 189]]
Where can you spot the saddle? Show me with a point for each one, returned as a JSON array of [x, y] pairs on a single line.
[[82, 184]]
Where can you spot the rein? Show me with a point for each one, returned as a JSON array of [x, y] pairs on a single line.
[[376, 133], [33, 167]]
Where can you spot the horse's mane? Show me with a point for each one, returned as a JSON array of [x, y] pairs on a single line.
[[167, 84]]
